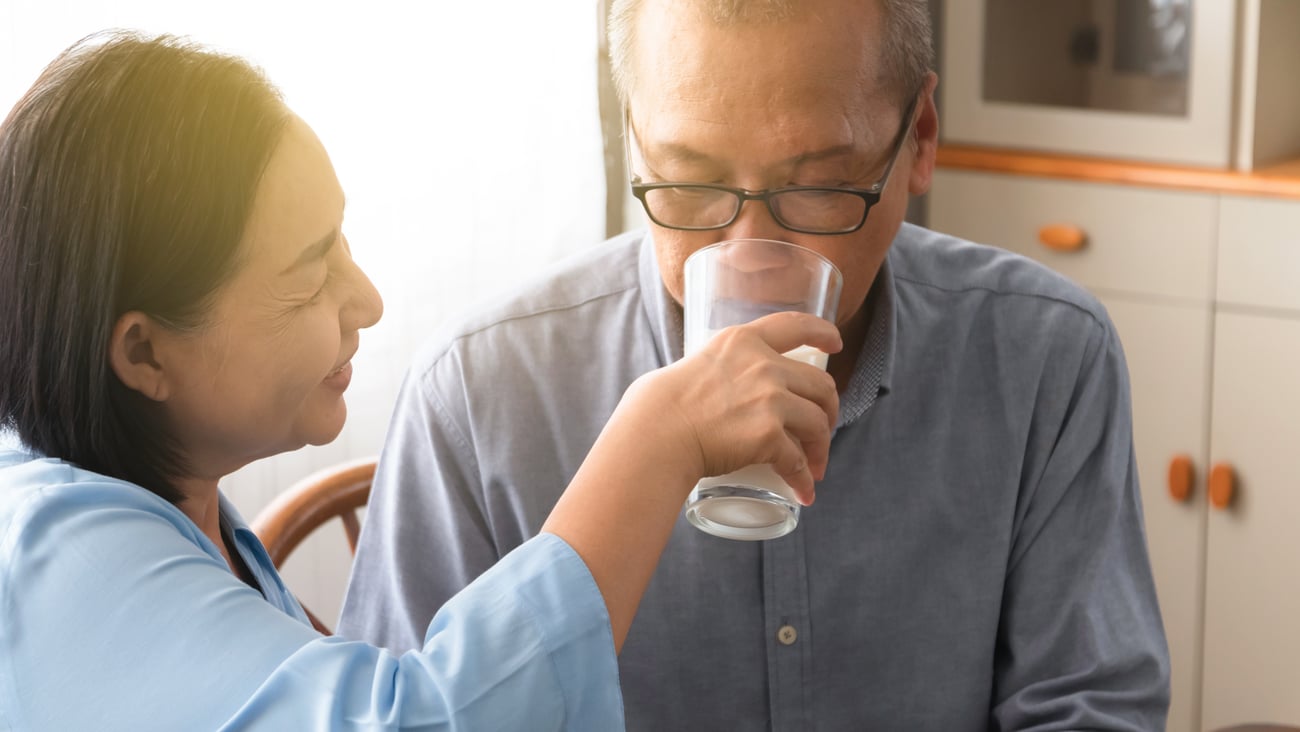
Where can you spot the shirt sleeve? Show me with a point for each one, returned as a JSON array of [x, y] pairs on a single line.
[[114, 619], [426, 535], [1080, 643]]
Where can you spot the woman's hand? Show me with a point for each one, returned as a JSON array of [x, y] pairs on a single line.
[[735, 403], [739, 402]]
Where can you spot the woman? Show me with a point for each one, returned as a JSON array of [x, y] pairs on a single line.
[[176, 300]]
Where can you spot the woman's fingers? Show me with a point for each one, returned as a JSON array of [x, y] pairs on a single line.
[[817, 386], [803, 452], [802, 402], [742, 403], [787, 331]]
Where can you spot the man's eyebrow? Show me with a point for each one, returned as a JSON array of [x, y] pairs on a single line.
[[316, 251], [833, 151], [679, 153]]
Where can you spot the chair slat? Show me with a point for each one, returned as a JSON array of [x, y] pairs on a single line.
[[353, 528]]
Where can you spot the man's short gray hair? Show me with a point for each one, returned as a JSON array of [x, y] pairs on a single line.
[[906, 56]]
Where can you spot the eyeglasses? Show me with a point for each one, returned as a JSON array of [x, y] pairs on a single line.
[[805, 209]]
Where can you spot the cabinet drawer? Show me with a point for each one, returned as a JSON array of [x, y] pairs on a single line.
[[1138, 240], [1259, 252]]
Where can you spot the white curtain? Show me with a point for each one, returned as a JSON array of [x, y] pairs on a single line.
[[466, 137]]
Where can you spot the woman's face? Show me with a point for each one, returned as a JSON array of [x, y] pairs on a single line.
[[267, 371]]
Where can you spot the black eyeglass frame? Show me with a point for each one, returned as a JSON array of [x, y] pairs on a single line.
[[870, 196]]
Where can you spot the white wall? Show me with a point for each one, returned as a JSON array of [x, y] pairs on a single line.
[[466, 138]]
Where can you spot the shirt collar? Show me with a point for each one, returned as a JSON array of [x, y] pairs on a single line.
[[663, 312], [259, 562], [872, 375], [873, 372]]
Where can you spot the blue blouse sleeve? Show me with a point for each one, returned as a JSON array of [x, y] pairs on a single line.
[[114, 618]]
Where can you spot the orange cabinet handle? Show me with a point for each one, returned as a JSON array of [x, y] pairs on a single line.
[[1062, 237], [1180, 478], [1223, 485]]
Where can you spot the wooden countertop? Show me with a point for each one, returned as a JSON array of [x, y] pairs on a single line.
[[1282, 180]]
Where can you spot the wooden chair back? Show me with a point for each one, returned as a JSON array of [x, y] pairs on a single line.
[[336, 492]]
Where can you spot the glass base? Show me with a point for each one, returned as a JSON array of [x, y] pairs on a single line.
[[741, 512]]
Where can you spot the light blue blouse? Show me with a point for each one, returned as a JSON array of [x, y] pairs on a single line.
[[116, 612]]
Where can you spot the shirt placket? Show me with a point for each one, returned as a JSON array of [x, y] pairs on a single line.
[[788, 631]]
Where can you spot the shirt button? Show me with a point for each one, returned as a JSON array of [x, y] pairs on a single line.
[[787, 635]]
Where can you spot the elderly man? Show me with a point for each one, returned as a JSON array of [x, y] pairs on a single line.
[[975, 559]]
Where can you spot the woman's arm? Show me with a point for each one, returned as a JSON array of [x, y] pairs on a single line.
[[116, 615]]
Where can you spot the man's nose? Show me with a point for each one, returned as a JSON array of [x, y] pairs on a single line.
[[755, 259]]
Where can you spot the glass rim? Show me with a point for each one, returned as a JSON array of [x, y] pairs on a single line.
[[837, 277]]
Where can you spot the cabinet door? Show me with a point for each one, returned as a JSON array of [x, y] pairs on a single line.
[[1140, 241], [1200, 135], [1167, 347], [1252, 611]]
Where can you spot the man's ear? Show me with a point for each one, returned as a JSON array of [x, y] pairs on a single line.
[[133, 352], [925, 139]]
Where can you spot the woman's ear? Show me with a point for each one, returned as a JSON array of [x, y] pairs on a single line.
[[133, 352]]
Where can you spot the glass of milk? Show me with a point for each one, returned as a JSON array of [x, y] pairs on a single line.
[[730, 283]]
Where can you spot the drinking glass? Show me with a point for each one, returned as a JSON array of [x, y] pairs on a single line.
[[730, 283]]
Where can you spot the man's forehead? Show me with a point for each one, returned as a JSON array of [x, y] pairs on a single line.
[[685, 132], [682, 57], [808, 25]]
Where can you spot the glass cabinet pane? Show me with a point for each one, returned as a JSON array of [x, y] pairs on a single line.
[[1115, 55]]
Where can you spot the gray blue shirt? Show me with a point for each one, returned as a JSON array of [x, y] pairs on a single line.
[[975, 558], [118, 613]]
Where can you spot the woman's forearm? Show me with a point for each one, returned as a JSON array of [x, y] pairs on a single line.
[[619, 510]]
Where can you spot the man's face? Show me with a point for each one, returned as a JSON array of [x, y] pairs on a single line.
[[767, 105]]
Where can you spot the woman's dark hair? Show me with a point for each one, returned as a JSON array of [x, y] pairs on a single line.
[[127, 175]]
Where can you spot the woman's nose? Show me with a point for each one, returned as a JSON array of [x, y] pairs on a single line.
[[364, 307]]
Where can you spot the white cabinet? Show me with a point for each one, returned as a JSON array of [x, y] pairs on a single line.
[[1204, 290], [1048, 32], [1259, 262], [1207, 83], [1252, 573]]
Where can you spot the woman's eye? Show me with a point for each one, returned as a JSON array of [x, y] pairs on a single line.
[[315, 298]]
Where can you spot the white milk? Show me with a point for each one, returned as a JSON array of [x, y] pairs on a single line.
[[808, 355]]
